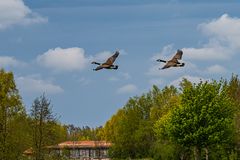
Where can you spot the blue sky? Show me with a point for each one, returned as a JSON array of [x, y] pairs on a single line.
[[49, 46]]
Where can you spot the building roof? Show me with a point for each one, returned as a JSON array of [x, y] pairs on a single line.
[[82, 144], [74, 144]]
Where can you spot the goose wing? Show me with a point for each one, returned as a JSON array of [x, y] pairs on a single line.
[[112, 59], [178, 55]]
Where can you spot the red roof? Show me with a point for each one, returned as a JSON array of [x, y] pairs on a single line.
[[75, 144], [83, 144]]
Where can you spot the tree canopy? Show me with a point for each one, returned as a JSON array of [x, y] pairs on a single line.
[[204, 117], [194, 121]]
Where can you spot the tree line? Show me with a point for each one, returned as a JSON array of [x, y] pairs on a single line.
[[195, 121], [20, 131]]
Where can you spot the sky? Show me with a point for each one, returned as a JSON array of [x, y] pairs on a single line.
[[49, 46]]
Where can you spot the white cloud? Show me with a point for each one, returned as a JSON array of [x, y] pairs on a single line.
[[129, 88], [72, 59], [59, 59], [34, 85], [207, 53], [224, 40], [16, 12], [6, 61], [216, 69], [225, 29], [193, 79]]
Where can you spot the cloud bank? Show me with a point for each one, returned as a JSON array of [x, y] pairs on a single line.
[[6, 61], [59, 59], [16, 12], [224, 40]]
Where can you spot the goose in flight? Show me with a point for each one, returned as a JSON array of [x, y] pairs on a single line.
[[108, 64], [174, 61]]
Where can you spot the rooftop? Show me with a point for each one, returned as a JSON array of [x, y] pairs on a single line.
[[82, 144]]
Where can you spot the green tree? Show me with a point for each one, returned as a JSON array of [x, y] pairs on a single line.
[[131, 128], [204, 118], [165, 101], [11, 110], [234, 92], [83, 133], [42, 122]]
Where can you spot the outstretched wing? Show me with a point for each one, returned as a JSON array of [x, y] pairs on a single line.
[[178, 55], [112, 59]]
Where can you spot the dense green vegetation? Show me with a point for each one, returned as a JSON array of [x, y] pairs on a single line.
[[20, 131], [195, 121]]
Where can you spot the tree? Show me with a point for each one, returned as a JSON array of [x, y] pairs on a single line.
[[42, 122], [234, 93], [131, 128], [165, 101], [204, 117], [83, 133], [11, 110]]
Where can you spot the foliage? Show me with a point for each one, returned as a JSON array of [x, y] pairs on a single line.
[[83, 133], [11, 111], [131, 129], [44, 126], [204, 118], [196, 121], [234, 93]]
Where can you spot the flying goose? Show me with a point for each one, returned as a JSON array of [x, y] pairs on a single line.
[[108, 64], [174, 61]]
